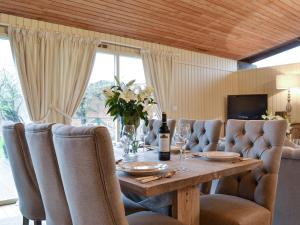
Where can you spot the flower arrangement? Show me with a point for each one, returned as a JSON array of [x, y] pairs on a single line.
[[129, 102], [270, 116]]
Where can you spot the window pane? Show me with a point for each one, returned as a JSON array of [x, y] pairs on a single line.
[[131, 68], [12, 108], [92, 107], [12, 105], [286, 57]]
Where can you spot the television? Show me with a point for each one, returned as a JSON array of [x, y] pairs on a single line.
[[247, 107]]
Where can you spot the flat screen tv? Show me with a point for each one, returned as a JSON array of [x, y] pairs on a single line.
[[247, 107]]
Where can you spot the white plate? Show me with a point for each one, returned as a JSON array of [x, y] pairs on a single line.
[[143, 166], [219, 156], [142, 170]]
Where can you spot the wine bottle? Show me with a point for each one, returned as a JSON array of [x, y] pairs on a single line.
[[164, 139]]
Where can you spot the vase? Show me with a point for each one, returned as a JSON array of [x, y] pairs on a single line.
[[130, 120], [129, 140]]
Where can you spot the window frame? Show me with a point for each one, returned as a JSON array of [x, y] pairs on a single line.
[[117, 56]]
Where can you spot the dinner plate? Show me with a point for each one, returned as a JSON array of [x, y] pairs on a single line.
[[142, 168]]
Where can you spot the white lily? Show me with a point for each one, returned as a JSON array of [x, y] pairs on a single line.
[[148, 108], [128, 95], [108, 92]]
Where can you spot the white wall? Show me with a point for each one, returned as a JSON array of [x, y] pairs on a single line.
[[201, 82]]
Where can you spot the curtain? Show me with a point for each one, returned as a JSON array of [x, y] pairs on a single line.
[[158, 73], [54, 71]]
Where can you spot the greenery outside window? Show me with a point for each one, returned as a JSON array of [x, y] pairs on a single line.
[[91, 110]]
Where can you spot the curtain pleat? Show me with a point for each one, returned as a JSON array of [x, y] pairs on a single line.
[[158, 73], [54, 71]]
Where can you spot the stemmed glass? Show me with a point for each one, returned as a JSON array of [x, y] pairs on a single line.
[[181, 138], [142, 133]]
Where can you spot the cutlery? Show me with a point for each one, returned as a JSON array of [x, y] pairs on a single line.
[[153, 178]]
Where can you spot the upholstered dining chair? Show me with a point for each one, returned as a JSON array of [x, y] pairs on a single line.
[[248, 198], [204, 137], [41, 148], [205, 134], [153, 128], [87, 165], [30, 201]]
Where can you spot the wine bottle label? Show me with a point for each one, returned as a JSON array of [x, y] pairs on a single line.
[[164, 142]]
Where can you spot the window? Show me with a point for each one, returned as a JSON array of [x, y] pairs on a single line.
[[12, 108], [286, 57], [92, 109]]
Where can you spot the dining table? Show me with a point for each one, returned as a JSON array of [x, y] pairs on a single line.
[[184, 185]]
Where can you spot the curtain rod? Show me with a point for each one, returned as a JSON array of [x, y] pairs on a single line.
[[121, 45]]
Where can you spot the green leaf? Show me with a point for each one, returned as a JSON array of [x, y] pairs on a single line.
[[130, 83]]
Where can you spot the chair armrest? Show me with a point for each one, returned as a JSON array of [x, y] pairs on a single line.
[[290, 153]]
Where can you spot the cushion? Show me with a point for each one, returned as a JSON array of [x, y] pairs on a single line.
[[221, 209], [151, 218]]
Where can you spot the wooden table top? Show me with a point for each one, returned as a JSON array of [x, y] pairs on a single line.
[[197, 171]]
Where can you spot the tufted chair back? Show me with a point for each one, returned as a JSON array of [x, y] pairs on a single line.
[[260, 140], [39, 139], [153, 127], [87, 166], [204, 134], [30, 201]]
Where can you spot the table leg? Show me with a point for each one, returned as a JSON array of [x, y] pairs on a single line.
[[186, 205]]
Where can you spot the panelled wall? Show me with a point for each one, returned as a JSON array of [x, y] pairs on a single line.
[[263, 80], [201, 82]]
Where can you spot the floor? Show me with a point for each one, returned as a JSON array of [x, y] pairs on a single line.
[[7, 186], [10, 215]]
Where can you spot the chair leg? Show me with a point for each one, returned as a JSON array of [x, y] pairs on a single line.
[[25, 221], [37, 222]]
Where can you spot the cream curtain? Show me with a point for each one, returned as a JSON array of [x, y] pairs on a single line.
[[54, 71], [158, 73]]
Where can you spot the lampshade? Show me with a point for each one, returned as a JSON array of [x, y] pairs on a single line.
[[287, 81]]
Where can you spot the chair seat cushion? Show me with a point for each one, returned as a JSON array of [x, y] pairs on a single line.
[[151, 218], [221, 209], [131, 206]]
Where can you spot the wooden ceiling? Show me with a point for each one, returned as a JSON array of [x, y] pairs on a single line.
[[229, 28]]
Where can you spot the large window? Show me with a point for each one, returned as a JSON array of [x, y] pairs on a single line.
[[12, 108], [92, 109]]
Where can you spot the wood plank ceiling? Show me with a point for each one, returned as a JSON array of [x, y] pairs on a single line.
[[229, 28]]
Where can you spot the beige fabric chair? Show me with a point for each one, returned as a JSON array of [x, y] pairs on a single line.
[[204, 137], [30, 201], [39, 139], [248, 198], [204, 134], [87, 165], [153, 127]]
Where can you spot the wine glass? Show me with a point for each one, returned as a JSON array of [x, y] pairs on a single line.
[[181, 138], [143, 132]]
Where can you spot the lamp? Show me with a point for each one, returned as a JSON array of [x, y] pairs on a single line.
[[288, 81]]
